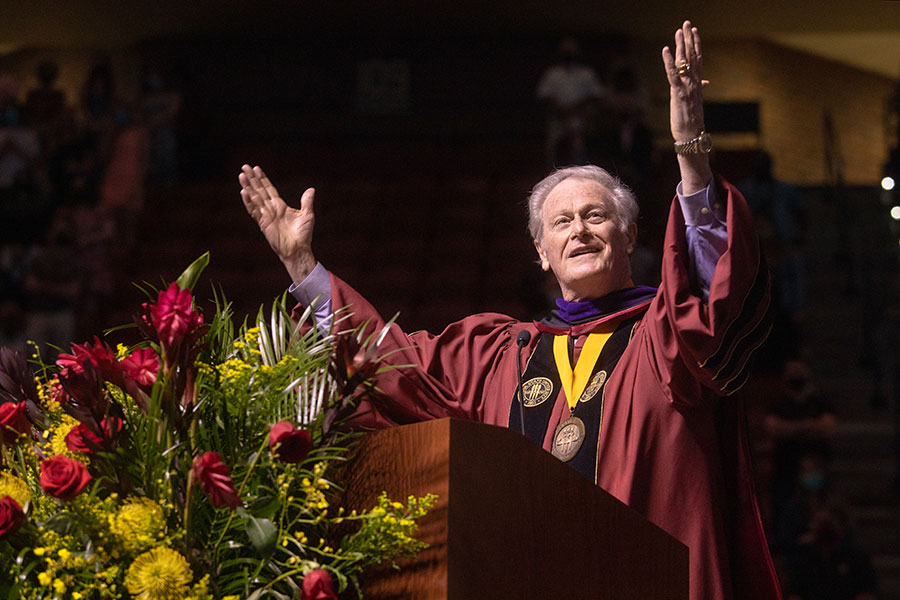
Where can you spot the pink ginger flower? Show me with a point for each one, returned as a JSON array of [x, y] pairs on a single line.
[[172, 316], [141, 366]]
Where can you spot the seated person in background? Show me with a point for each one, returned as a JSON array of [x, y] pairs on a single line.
[[811, 493], [570, 90], [630, 386], [801, 420]]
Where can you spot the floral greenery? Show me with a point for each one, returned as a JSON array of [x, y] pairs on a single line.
[[198, 464]]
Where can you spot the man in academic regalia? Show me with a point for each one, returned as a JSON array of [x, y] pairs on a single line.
[[633, 387]]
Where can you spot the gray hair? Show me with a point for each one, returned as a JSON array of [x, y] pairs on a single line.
[[626, 207]]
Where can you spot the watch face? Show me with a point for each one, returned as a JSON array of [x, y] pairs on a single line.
[[704, 142]]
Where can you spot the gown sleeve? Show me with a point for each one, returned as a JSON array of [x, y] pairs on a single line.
[[428, 376], [696, 344]]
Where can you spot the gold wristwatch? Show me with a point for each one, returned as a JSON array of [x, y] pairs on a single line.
[[701, 144]]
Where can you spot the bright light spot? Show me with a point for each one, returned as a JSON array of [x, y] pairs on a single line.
[[887, 183], [895, 213]]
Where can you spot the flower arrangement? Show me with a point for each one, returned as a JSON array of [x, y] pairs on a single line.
[[198, 463]]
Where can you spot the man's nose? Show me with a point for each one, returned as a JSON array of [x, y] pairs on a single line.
[[578, 226]]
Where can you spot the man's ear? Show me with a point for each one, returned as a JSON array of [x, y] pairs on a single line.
[[545, 264], [631, 236]]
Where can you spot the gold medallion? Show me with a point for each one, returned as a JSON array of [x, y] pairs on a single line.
[[536, 390], [568, 439], [593, 386]]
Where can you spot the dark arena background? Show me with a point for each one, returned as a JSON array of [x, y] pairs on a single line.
[[125, 124]]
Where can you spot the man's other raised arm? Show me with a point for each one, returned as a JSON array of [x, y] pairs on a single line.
[[288, 230]]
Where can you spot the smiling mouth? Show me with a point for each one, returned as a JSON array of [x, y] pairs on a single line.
[[584, 251]]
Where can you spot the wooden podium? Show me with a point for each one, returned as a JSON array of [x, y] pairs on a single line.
[[511, 522]]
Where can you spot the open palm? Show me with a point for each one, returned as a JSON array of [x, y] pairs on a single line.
[[288, 230]]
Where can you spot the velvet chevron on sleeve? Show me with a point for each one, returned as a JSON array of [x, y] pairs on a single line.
[[710, 344]]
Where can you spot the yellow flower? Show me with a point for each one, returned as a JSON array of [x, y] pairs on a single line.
[[58, 439], [58, 586], [10, 485], [138, 523], [200, 591], [44, 578], [160, 574]]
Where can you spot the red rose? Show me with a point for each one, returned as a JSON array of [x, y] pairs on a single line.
[[78, 438], [141, 365], [81, 439], [11, 516], [13, 421], [63, 477], [317, 585], [215, 478], [289, 444]]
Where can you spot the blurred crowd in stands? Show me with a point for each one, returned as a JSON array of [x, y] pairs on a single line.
[[596, 118], [72, 175], [811, 536], [72, 180]]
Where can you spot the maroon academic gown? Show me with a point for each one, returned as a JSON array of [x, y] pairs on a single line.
[[672, 443]]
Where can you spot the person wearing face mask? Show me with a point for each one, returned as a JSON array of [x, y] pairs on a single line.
[[809, 495], [632, 387], [801, 421]]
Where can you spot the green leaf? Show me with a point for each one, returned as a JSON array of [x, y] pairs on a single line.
[[188, 279], [263, 535], [60, 523], [265, 506]]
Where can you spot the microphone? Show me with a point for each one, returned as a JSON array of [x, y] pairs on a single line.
[[521, 341]]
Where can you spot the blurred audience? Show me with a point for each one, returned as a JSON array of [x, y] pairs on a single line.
[[570, 91], [98, 104], [160, 104], [625, 142], [51, 288], [47, 111], [71, 191], [801, 421], [24, 187]]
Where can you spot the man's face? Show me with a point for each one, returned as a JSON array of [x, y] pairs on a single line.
[[582, 242]]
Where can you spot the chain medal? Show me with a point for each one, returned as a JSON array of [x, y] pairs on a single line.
[[568, 439]]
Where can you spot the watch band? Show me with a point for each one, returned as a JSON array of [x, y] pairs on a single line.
[[701, 144]]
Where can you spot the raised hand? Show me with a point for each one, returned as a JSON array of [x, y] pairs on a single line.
[[685, 73], [684, 70], [288, 230]]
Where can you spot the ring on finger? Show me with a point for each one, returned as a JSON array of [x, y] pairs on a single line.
[[683, 69]]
